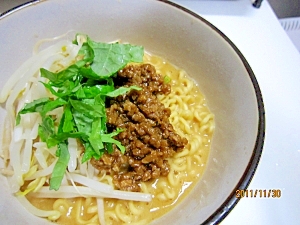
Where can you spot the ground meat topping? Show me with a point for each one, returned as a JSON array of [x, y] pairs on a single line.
[[148, 136]]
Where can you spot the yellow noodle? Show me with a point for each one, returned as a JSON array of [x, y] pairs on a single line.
[[178, 168], [179, 161], [172, 178], [61, 205], [79, 211], [185, 126], [135, 208], [169, 193], [185, 152], [198, 158], [162, 183], [195, 144], [187, 115], [188, 163], [92, 209], [144, 188], [122, 213], [110, 216], [107, 179], [161, 197]]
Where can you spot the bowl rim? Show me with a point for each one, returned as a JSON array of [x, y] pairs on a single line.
[[219, 215], [19, 7], [231, 201]]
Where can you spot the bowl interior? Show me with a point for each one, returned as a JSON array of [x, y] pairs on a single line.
[[182, 38]]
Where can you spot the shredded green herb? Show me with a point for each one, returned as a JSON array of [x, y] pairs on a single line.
[[82, 89], [167, 79]]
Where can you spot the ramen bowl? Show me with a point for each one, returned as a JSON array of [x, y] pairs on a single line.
[[182, 38]]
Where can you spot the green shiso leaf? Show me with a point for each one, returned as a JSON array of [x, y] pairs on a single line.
[[81, 90], [60, 166]]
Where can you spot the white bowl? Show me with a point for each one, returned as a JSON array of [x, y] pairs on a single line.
[[186, 40]]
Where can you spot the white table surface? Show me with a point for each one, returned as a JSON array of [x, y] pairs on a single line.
[[276, 64]]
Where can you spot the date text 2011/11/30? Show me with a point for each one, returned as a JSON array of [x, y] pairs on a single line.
[[258, 193]]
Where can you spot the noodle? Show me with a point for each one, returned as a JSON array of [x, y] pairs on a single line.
[[189, 115]]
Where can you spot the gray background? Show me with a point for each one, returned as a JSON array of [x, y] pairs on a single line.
[[286, 8]]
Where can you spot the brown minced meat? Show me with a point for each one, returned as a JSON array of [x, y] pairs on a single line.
[[148, 136]]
